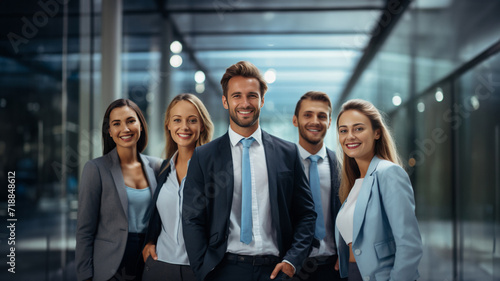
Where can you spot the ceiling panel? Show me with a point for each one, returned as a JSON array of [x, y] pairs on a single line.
[[230, 5], [332, 22], [305, 59], [311, 45], [310, 42]]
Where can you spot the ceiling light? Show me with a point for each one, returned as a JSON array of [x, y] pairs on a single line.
[[396, 100], [270, 76], [439, 95], [199, 77], [176, 47], [176, 61], [200, 88], [421, 107], [475, 102]]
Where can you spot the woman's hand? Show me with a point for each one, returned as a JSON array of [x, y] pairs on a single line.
[[149, 250]]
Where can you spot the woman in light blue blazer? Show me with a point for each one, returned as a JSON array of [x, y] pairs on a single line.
[[376, 230], [114, 195]]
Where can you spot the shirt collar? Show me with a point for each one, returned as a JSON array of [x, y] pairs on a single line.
[[235, 137], [304, 153], [172, 161]]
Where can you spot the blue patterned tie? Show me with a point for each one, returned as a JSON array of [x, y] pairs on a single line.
[[246, 193], [319, 232]]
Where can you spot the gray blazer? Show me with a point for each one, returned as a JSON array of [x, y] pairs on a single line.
[[102, 224]]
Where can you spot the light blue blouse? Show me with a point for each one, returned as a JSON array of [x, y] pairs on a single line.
[[170, 246], [138, 202]]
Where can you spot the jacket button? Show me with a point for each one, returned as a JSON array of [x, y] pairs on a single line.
[[357, 252], [367, 278]]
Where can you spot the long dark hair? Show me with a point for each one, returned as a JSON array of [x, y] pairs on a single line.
[[107, 141]]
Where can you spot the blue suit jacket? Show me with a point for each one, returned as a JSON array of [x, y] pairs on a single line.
[[386, 238], [208, 195], [102, 224]]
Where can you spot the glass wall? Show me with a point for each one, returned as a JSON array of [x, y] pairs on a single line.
[[39, 82], [442, 62], [476, 121]]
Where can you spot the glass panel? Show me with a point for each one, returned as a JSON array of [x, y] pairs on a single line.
[[431, 171], [39, 103], [477, 121]]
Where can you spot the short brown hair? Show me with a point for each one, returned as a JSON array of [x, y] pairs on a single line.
[[315, 96], [245, 69]]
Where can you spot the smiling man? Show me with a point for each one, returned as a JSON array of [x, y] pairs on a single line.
[[248, 212], [313, 118]]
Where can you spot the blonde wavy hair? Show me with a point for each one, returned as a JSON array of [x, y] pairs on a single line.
[[207, 125]]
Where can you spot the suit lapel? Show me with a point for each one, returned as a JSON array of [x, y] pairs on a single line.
[[333, 181], [271, 165], [150, 174], [272, 180], [116, 172], [223, 161], [363, 197]]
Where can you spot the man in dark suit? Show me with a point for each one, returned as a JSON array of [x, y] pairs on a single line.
[[248, 213], [313, 118]]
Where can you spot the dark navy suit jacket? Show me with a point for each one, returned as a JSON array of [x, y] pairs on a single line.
[[208, 194], [154, 226], [334, 184]]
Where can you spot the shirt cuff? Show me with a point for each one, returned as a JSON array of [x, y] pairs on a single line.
[[291, 265]]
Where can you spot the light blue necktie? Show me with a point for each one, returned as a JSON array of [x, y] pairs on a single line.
[[319, 232], [246, 193]]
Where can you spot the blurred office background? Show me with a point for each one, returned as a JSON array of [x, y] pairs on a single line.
[[433, 66]]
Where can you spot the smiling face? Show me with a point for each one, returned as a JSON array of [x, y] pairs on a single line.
[[244, 101], [313, 121], [356, 135], [124, 127], [185, 124]]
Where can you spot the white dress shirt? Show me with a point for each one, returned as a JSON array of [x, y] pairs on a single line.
[[170, 246], [264, 240], [327, 246], [345, 218]]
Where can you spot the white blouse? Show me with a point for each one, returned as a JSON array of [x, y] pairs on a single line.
[[345, 217]]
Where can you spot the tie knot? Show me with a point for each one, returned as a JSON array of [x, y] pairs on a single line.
[[313, 158], [247, 142]]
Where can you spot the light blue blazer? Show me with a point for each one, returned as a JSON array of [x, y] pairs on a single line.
[[102, 223], [386, 239]]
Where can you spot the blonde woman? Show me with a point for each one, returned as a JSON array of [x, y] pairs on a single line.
[[187, 125], [376, 230]]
